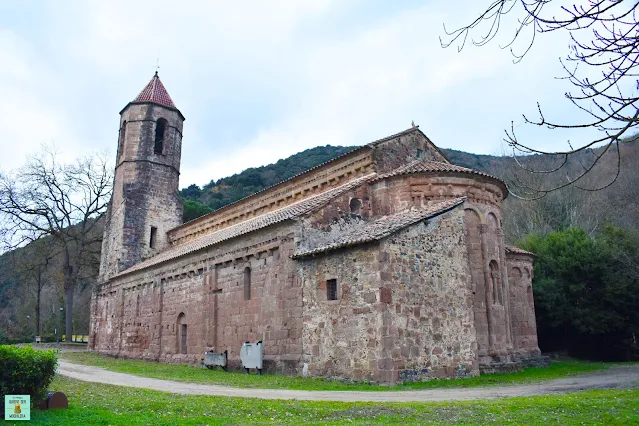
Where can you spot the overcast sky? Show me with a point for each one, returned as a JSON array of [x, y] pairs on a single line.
[[258, 81]]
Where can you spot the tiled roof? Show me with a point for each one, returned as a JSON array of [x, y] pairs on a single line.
[[517, 250], [354, 150], [155, 92], [425, 166], [290, 211], [383, 227]]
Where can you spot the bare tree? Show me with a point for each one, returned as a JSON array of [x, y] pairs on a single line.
[[64, 202], [30, 265], [604, 43]]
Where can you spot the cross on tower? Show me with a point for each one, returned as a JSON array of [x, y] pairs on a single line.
[[157, 66]]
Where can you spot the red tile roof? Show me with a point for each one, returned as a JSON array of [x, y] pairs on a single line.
[[424, 166], [517, 250], [339, 157], [291, 211], [382, 227], [155, 92]]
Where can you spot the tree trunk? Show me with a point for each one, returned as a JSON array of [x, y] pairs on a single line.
[[38, 310], [69, 310], [37, 307], [70, 274]]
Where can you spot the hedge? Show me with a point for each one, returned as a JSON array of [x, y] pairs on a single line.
[[26, 371]]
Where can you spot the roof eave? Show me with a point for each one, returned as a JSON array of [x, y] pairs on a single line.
[[153, 103], [516, 251]]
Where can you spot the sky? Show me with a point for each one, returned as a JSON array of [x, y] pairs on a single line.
[[259, 81]]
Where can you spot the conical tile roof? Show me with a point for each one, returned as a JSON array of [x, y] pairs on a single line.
[[155, 92]]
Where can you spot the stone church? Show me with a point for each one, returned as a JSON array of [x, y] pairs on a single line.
[[387, 263]]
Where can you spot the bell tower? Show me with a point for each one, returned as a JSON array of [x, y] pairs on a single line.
[[145, 203]]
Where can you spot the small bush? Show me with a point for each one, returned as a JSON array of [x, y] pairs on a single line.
[[25, 371], [6, 340]]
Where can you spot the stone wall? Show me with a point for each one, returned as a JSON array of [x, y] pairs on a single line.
[[205, 291], [394, 152], [485, 249], [429, 315], [340, 337], [145, 189], [404, 310], [335, 217], [524, 325]]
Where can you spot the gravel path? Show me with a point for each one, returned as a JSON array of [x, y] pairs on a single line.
[[615, 377]]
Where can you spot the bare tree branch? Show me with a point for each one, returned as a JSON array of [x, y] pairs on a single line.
[[62, 202], [603, 53]]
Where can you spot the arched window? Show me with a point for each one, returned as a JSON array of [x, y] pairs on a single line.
[[137, 306], [356, 206], [247, 283], [160, 130], [122, 138], [495, 277], [492, 221], [515, 277], [181, 333]]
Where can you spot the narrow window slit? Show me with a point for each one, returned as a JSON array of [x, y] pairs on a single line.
[[331, 289], [154, 235], [160, 129], [247, 283]]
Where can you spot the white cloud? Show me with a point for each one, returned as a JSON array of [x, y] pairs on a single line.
[[259, 81], [374, 83], [29, 107]]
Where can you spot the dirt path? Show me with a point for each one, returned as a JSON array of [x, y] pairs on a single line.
[[615, 377]]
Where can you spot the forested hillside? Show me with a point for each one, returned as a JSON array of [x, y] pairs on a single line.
[[568, 207], [217, 194]]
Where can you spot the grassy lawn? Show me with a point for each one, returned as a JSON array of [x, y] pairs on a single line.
[[98, 404], [185, 373]]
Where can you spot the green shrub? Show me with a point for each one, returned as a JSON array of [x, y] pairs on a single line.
[[587, 292], [18, 339], [25, 371]]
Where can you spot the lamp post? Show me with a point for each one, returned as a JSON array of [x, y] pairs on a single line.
[[28, 318], [61, 322]]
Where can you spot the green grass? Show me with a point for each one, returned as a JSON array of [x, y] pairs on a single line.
[[183, 373], [98, 404]]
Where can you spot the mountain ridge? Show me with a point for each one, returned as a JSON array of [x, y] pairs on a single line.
[[224, 191]]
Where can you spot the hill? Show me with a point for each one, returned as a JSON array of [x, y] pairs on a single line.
[[558, 210], [218, 193]]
